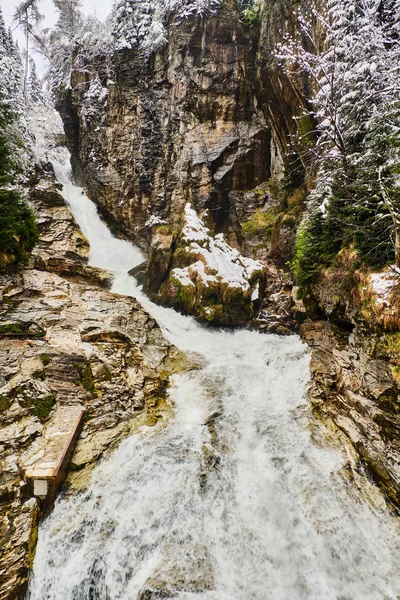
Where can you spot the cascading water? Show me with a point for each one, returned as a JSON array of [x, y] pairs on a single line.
[[231, 500]]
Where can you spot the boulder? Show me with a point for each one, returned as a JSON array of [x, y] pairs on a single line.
[[199, 273]]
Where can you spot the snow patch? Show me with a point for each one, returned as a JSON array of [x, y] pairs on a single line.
[[154, 220], [218, 261], [383, 284], [45, 126]]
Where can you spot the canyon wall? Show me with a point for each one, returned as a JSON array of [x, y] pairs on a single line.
[[211, 120], [183, 126], [209, 115]]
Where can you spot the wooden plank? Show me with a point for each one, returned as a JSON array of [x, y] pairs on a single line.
[[52, 466]]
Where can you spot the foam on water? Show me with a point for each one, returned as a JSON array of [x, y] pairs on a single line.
[[231, 500]]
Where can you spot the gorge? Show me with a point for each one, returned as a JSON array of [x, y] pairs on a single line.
[[213, 285]]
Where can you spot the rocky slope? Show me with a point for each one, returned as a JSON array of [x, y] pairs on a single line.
[[66, 340]]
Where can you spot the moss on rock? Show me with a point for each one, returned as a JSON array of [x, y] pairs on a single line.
[[5, 403], [41, 407]]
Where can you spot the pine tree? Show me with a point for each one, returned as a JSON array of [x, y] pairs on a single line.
[[18, 233], [27, 16], [132, 20], [13, 46], [356, 83], [63, 39], [35, 92], [69, 16], [140, 24], [10, 71], [3, 33]]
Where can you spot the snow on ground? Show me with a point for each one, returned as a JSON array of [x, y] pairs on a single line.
[[383, 284], [218, 261]]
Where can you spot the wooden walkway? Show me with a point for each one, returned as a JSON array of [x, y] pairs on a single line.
[[47, 473]]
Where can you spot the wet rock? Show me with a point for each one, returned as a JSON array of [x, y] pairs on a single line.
[[18, 533], [206, 120], [90, 449], [139, 272], [193, 573], [279, 312], [59, 234], [359, 394]]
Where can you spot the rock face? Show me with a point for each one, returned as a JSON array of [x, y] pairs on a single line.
[[208, 115], [283, 97], [185, 126], [64, 340], [354, 368], [207, 120]]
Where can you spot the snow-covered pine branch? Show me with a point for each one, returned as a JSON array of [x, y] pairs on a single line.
[[141, 24], [355, 86]]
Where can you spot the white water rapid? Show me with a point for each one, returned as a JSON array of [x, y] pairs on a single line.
[[250, 510]]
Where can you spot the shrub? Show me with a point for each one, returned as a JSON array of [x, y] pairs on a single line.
[[316, 245]]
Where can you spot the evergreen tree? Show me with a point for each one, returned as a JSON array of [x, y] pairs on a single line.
[[35, 92], [18, 233], [356, 83], [69, 16], [13, 47], [3, 33], [132, 20], [63, 39], [140, 24], [27, 16], [10, 72]]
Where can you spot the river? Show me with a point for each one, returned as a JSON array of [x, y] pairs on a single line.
[[232, 499]]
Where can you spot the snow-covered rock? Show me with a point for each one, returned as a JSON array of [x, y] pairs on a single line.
[[384, 283], [204, 275]]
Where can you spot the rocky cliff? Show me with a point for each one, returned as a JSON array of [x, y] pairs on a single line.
[[354, 337], [205, 121], [183, 126], [66, 341]]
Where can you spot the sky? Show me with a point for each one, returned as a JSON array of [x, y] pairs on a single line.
[[100, 7]]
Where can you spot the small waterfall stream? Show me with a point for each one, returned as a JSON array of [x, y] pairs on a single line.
[[231, 500]]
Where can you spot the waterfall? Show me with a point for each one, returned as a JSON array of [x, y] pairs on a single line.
[[231, 499]]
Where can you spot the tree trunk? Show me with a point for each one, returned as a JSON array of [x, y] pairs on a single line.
[[26, 56], [397, 247]]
